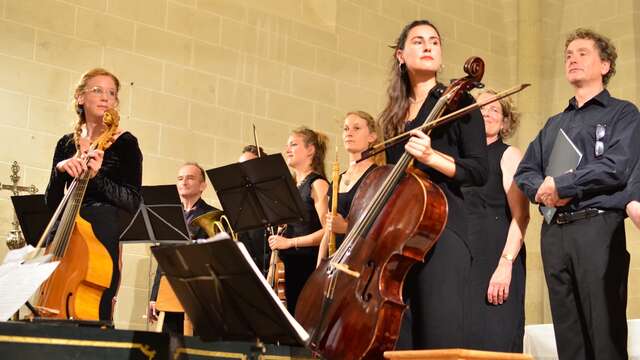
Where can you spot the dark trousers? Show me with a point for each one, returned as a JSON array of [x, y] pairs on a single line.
[[586, 266], [436, 292]]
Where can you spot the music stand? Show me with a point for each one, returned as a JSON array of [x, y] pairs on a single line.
[[225, 295], [159, 219], [257, 193], [33, 216]]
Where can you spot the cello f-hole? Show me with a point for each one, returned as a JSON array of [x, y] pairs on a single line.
[[366, 295]]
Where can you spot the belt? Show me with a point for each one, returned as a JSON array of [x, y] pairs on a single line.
[[571, 216]]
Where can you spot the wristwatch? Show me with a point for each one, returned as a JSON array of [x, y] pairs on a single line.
[[508, 257]]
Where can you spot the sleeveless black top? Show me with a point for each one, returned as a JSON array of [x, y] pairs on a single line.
[[312, 222], [345, 199], [490, 197]]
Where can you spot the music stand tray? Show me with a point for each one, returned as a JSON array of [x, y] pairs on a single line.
[[159, 219], [225, 295], [257, 193]]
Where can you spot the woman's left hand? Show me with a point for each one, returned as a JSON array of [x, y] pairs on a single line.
[[277, 242], [498, 291], [419, 146]]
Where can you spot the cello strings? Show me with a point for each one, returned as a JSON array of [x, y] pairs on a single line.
[[374, 209]]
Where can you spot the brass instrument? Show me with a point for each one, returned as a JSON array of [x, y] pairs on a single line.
[[214, 222]]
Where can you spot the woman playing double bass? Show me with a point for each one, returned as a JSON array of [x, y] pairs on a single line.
[[116, 173], [452, 155]]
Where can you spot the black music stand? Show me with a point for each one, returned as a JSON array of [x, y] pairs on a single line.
[[225, 295], [33, 216], [257, 193], [159, 219]]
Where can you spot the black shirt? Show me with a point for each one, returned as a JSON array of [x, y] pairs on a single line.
[[598, 181], [463, 139], [117, 182], [199, 208], [346, 198], [310, 225]]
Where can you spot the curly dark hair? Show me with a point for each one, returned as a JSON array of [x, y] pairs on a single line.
[[605, 47]]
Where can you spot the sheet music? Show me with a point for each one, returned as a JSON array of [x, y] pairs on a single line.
[[19, 281], [302, 333]]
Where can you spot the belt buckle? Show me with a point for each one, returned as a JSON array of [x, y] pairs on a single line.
[[562, 218]]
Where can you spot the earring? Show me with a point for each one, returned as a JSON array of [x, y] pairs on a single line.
[[400, 68]]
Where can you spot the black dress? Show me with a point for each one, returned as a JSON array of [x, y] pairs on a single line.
[[493, 327], [300, 263], [435, 290], [345, 199], [116, 187]]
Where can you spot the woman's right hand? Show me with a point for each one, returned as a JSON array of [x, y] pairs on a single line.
[[336, 223]]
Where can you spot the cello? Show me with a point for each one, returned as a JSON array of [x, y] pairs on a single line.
[[352, 305], [75, 288]]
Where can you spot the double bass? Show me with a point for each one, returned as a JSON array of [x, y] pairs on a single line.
[[352, 305], [75, 288]]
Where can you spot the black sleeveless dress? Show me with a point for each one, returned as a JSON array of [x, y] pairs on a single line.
[[300, 263], [345, 199], [493, 327]]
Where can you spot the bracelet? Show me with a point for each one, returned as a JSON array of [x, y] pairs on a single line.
[[508, 257]]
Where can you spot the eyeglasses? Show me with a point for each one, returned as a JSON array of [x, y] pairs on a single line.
[[492, 109], [600, 132], [99, 91]]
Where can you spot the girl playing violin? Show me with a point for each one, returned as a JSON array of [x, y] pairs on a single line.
[[299, 244]]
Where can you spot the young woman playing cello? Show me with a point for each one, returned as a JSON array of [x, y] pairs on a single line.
[[452, 155], [116, 173]]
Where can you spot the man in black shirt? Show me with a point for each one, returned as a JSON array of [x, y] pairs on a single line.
[[191, 182], [584, 255]]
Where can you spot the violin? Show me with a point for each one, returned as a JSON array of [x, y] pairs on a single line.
[[352, 305]]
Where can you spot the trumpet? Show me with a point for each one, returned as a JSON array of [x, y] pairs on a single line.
[[214, 222]]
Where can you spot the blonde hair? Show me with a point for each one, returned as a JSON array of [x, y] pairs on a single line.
[[80, 87], [510, 115], [373, 127], [319, 143]]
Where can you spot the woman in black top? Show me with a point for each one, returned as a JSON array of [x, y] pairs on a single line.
[[358, 133], [299, 244], [452, 155], [498, 215], [116, 173]]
